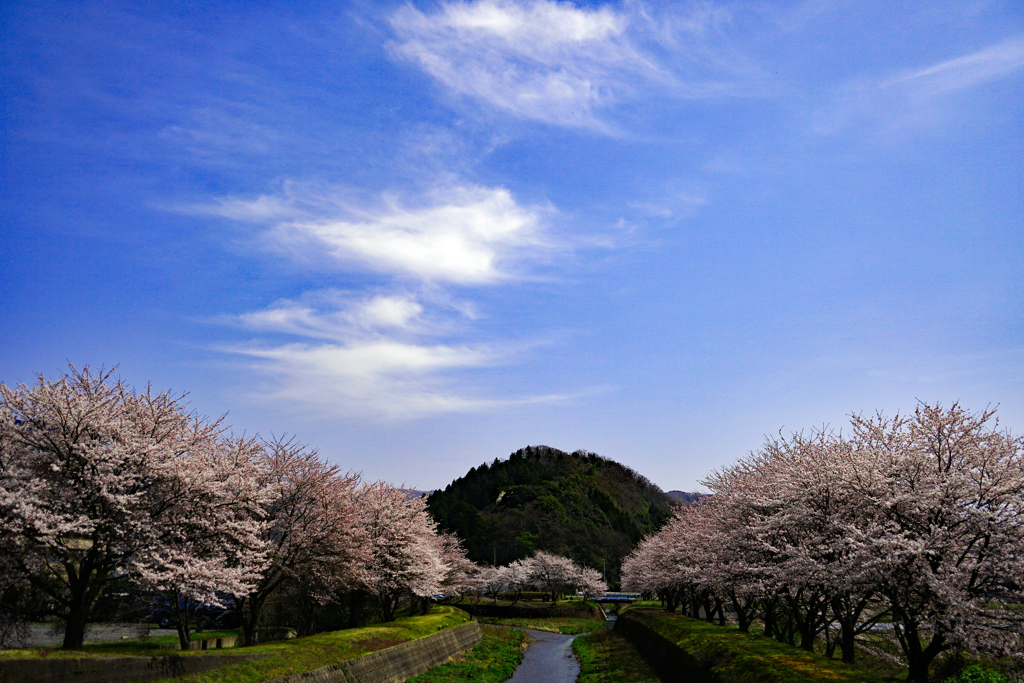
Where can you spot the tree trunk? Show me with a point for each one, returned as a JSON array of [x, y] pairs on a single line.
[[79, 602], [184, 635], [356, 603], [182, 618], [918, 659], [807, 636], [74, 627], [769, 618], [846, 643], [744, 613], [251, 620]]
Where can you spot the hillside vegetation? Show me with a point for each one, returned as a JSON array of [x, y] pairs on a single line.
[[579, 505]]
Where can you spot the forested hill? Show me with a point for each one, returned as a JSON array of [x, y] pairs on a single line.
[[580, 505]]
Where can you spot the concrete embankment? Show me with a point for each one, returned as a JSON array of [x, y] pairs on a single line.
[[398, 663], [668, 660]]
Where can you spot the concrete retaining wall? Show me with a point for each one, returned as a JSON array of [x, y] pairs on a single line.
[[398, 663], [207, 644], [234, 641], [670, 662], [111, 669]]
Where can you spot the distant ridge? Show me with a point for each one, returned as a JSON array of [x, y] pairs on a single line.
[[580, 505], [683, 498]]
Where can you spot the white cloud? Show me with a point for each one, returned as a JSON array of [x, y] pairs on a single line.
[[389, 311], [461, 241], [379, 313], [459, 234], [552, 61]]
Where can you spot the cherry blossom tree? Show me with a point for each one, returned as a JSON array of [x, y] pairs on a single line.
[[215, 542], [586, 581], [517, 576], [943, 535], [493, 580], [314, 529], [651, 569], [459, 571], [405, 556], [92, 479], [551, 573]]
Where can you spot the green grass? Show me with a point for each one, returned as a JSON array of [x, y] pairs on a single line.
[[568, 625], [747, 658], [305, 654], [606, 657], [492, 661], [290, 656]]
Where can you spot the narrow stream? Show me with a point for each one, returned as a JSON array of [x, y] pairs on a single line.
[[549, 659]]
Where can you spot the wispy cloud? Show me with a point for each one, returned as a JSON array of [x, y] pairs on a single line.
[[373, 357], [919, 97], [556, 63], [961, 73], [402, 349], [384, 378]]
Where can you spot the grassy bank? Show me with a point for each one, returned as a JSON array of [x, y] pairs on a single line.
[[492, 661], [721, 653], [305, 654], [606, 657], [290, 656]]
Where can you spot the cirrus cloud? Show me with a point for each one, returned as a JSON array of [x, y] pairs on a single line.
[[559, 64], [366, 367]]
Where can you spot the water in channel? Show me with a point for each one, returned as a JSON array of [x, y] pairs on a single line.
[[548, 660]]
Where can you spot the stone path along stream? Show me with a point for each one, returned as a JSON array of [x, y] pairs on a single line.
[[548, 660]]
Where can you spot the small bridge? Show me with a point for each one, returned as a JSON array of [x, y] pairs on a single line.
[[617, 597]]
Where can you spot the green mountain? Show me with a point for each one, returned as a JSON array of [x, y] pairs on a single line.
[[579, 505]]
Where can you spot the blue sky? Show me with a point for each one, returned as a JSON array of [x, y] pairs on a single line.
[[422, 235]]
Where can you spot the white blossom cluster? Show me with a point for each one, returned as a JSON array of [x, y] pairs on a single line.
[[911, 526]]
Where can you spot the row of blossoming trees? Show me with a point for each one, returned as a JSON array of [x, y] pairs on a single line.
[[100, 484], [917, 521]]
